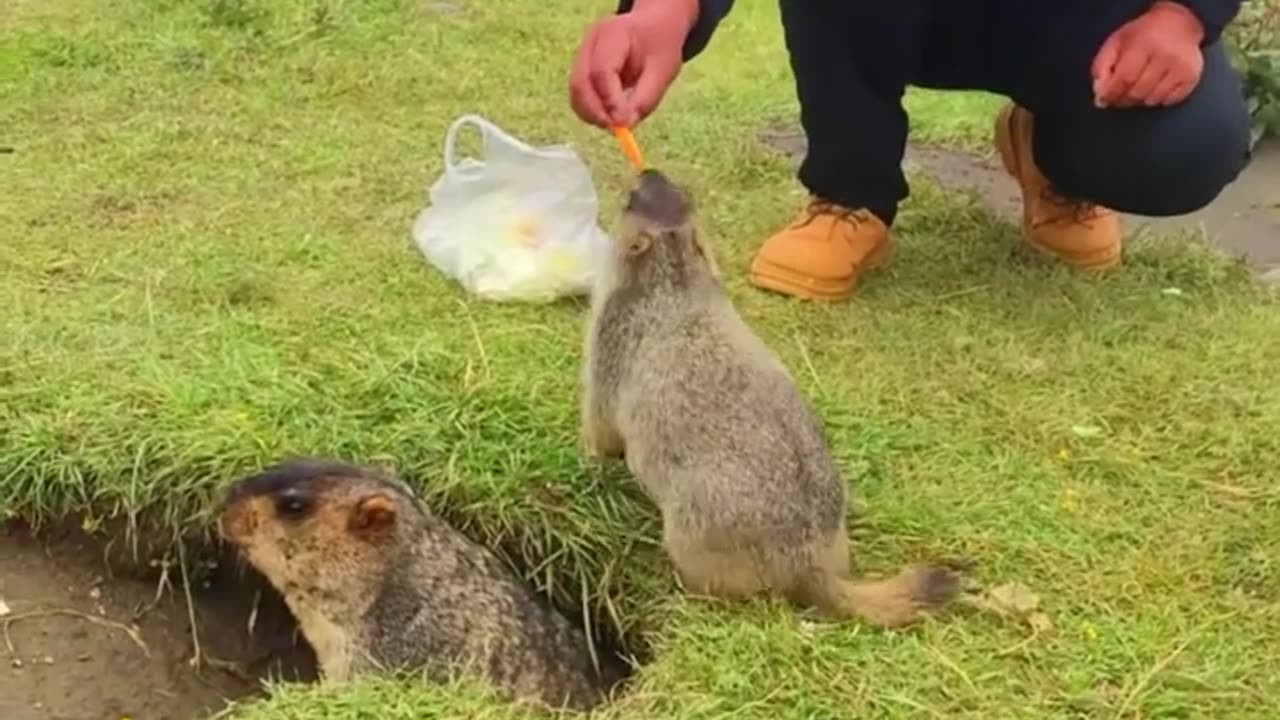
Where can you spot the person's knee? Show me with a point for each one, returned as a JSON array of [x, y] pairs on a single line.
[[1187, 161], [1175, 163], [1155, 162]]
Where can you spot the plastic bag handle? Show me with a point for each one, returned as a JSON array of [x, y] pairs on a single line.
[[486, 129]]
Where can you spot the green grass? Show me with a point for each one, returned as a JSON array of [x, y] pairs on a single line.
[[206, 264], [961, 120]]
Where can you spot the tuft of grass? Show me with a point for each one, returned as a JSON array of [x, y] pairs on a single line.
[[207, 265]]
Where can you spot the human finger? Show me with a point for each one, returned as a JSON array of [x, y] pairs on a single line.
[[583, 99], [1151, 76], [609, 55], [1130, 65], [1103, 65], [1188, 77], [650, 88], [1166, 92], [1178, 92], [632, 70], [1104, 60]]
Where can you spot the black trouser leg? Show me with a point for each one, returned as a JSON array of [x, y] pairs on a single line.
[[854, 120], [1146, 161], [853, 60], [1149, 161]]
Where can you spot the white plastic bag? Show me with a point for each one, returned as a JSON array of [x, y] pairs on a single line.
[[518, 224]]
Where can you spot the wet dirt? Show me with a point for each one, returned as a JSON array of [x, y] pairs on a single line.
[[1244, 220], [85, 640]]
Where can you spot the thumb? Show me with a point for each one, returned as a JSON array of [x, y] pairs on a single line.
[[608, 56], [655, 77]]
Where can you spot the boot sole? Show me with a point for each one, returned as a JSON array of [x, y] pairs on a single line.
[[783, 280], [1102, 260]]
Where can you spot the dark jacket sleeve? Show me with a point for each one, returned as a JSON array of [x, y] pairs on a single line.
[[1214, 15], [710, 13]]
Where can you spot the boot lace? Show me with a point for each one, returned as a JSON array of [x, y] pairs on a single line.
[[1070, 210], [818, 207]]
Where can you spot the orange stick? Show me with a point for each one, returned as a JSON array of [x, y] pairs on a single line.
[[629, 147]]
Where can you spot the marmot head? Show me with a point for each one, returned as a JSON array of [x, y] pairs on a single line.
[[319, 528], [658, 241]]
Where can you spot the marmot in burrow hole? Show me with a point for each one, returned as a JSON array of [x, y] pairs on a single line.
[[377, 582], [712, 425]]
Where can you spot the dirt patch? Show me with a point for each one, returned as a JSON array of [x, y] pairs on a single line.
[[1243, 220], [90, 631], [86, 641]]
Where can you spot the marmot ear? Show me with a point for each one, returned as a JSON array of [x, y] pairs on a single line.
[[372, 513], [639, 244]]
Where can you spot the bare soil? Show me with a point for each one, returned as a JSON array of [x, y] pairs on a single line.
[[1244, 220], [84, 639]]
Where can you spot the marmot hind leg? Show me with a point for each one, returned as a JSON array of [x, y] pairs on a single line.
[[714, 573], [599, 438]]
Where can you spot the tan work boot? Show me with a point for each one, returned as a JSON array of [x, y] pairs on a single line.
[[821, 254], [1079, 233]]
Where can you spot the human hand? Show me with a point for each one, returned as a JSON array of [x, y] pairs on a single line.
[[639, 52], [1152, 60]]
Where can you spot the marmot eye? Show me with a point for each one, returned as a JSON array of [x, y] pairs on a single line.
[[292, 505]]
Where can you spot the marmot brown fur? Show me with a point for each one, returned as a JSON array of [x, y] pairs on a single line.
[[712, 425], [377, 582]]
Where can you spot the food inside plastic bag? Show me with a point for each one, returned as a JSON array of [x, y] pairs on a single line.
[[520, 223]]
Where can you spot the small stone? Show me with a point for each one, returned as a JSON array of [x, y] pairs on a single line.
[[1086, 431], [16, 663], [4, 608]]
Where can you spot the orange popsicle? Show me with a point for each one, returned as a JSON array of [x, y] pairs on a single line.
[[629, 147]]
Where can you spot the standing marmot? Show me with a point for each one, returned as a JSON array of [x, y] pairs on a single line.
[[377, 582], [712, 425]]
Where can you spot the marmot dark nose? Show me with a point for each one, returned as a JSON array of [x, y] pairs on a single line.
[[658, 200]]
